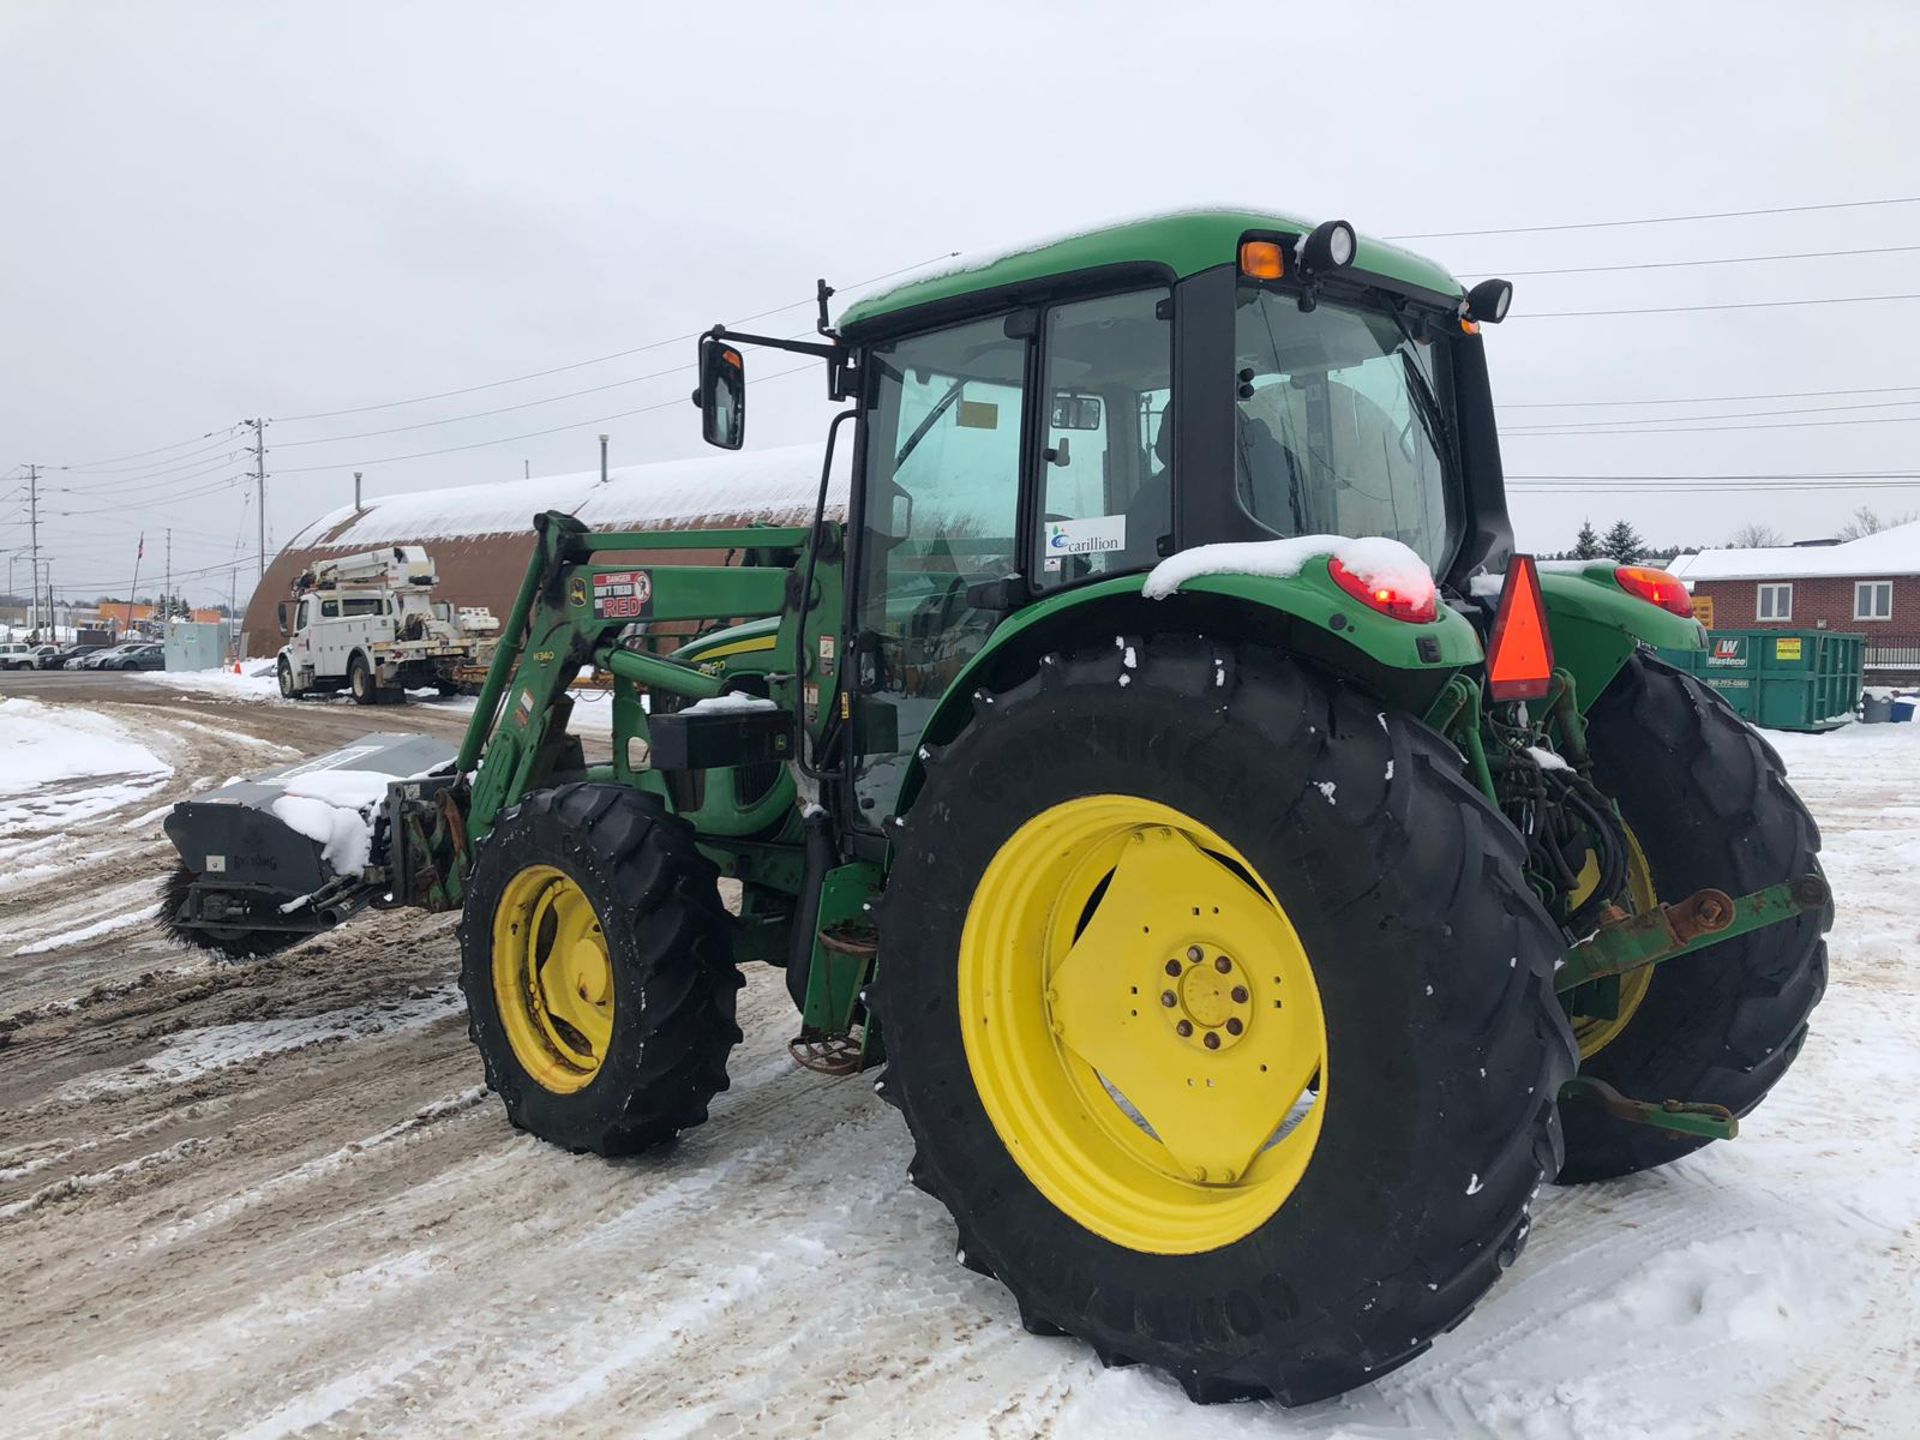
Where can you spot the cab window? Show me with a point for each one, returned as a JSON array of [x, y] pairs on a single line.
[[1106, 491], [329, 609]]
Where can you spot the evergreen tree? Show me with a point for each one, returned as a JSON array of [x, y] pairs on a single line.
[[1623, 543], [1587, 543]]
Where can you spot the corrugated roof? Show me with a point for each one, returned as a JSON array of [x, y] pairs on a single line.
[[738, 487], [1893, 551]]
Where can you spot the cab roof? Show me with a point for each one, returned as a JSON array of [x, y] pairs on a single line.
[[1183, 242]]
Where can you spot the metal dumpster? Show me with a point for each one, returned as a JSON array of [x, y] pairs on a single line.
[[1781, 679]]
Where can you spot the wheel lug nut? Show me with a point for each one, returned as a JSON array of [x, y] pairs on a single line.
[[1239, 994], [1222, 964], [1196, 954], [1173, 967], [1169, 999], [1185, 1027], [1234, 1027], [1212, 1042]]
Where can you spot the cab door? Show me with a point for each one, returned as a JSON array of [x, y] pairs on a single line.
[[939, 510]]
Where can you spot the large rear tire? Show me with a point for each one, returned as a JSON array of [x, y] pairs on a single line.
[[1707, 801], [1355, 906], [598, 971]]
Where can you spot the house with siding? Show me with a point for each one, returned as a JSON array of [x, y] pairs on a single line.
[[1869, 586]]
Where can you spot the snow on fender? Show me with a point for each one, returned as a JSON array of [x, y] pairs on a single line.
[[1374, 559]]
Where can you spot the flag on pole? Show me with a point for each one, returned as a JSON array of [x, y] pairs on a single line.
[[141, 553]]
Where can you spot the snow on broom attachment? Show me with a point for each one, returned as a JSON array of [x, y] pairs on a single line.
[[267, 861]]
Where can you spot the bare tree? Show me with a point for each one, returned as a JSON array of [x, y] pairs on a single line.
[[1755, 536], [1868, 522]]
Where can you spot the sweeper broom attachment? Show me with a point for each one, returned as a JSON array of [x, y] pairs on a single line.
[[266, 861]]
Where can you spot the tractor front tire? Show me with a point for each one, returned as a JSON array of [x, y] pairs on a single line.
[[598, 969], [1300, 923], [1708, 803]]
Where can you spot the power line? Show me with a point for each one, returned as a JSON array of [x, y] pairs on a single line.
[[116, 459], [509, 439], [1689, 264], [1677, 309], [1701, 399], [481, 414], [1659, 219], [601, 359], [1601, 427], [1661, 429]]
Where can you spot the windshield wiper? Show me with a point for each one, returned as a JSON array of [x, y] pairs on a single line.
[[933, 418], [1432, 418]]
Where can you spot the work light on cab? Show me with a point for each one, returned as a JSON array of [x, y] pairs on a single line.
[[1487, 302], [1330, 245], [1390, 600], [1657, 587]]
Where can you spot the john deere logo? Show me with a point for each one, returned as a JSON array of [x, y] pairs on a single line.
[[1729, 650], [577, 590]]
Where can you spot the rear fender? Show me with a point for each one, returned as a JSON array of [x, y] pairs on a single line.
[[1596, 626], [1403, 664]]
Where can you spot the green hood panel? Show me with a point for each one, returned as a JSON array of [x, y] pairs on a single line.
[[1596, 625]]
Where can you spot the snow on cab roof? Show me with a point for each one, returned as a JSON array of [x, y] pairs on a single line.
[[1186, 239], [739, 487], [1893, 551]]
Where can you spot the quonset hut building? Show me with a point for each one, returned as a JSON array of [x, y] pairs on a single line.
[[480, 536]]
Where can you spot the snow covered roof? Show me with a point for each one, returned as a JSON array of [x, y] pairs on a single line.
[[1893, 551], [738, 487]]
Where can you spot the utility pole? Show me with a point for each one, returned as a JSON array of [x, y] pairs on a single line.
[[166, 595], [33, 545], [260, 488]]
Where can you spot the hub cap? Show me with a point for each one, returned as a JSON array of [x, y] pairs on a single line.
[[1142, 1024], [552, 981], [1593, 1033]]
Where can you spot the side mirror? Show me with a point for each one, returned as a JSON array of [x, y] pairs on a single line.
[[722, 396], [281, 611]]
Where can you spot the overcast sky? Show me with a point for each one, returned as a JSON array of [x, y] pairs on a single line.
[[221, 210]]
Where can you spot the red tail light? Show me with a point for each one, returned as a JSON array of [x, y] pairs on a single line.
[[1656, 587], [1520, 655], [1414, 609]]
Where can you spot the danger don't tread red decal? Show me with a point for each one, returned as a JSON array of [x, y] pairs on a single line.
[[622, 594]]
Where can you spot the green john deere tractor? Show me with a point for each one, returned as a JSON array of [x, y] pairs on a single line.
[[1250, 918]]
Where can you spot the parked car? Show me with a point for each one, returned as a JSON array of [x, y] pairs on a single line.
[[69, 658], [16, 655], [99, 658], [135, 657]]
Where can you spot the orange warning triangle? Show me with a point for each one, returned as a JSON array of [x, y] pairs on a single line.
[[1520, 655]]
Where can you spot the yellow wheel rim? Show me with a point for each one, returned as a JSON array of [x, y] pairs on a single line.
[[1593, 1033], [1142, 1024], [552, 981]]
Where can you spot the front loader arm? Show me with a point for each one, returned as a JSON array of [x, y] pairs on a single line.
[[574, 604]]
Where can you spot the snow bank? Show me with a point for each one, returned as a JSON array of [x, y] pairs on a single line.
[[223, 683], [47, 745], [1374, 559], [776, 485]]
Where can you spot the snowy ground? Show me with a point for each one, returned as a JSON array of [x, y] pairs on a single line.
[[271, 1200]]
